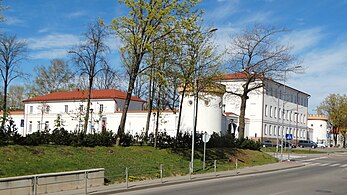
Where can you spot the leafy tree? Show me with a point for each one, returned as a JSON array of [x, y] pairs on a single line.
[[11, 55], [148, 21], [335, 107], [56, 77], [257, 54], [90, 58]]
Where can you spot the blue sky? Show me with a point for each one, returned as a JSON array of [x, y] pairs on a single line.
[[318, 32]]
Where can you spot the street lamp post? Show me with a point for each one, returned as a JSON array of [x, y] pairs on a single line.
[[283, 103], [195, 111]]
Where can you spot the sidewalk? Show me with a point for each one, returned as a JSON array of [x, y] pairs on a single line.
[[122, 187]]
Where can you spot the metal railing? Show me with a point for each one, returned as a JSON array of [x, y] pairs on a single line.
[[47, 183]]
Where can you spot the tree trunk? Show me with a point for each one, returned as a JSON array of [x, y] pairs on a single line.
[[150, 105], [4, 106], [86, 118], [242, 123], [157, 115], [179, 116], [133, 76]]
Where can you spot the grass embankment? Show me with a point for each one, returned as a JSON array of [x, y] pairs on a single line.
[[142, 162]]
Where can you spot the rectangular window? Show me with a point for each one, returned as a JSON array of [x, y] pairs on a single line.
[[101, 109], [66, 109], [265, 110], [38, 126], [46, 125], [81, 108], [48, 108], [22, 123], [31, 110], [30, 126]]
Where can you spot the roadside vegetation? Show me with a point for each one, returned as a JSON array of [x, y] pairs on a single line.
[[143, 162]]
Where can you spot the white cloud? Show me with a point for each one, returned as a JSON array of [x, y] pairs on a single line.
[[49, 54], [53, 41], [51, 46], [258, 17], [76, 14], [326, 74], [303, 39], [9, 20]]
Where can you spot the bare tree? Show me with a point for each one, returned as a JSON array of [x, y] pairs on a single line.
[[16, 95], [90, 58], [11, 54], [56, 77], [108, 78], [257, 55]]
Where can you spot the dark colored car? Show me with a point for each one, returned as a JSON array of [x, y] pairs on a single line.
[[267, 143], [307, 143]]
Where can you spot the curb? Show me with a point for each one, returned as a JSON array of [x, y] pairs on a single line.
[[169, 183]]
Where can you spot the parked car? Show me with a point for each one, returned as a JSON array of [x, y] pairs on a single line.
[[289, 145], [321, 145], [307, 143], [267, 143]]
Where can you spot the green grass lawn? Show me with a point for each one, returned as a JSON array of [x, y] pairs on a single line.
[[142, 162]]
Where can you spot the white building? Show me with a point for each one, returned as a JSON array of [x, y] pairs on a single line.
[[106, 110], [270, 109], [319, 126]]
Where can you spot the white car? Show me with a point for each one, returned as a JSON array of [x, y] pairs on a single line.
[[320, 145]]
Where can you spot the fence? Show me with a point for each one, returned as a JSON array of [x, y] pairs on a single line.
[[52, 182], [86, 179], [160, 171]]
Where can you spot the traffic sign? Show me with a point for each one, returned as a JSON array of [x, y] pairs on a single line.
[[289, 136], [206, 137]]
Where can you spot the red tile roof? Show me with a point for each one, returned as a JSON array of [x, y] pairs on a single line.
[[82, 94], [236, 75]]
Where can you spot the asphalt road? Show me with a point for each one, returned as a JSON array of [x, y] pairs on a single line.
[[321, 175]]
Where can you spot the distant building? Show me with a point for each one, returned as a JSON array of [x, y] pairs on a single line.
[[320, 129], [269, 109]]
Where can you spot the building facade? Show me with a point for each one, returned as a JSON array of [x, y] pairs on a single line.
[[272, 111]]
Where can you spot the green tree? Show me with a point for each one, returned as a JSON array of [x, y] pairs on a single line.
[[90, 58], [147, 22], [335, 107], [258, 54], [11, 55]]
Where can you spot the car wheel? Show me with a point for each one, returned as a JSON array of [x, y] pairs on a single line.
[[264, 146], [313, 147]]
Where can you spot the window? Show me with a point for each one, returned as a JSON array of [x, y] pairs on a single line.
[[275, 112], [30, 126], [38, 126], [31, 110], [22, 123], [101, 108], [270, 129], [81, 108], [279, 113], [46, 125], [270, 111], [274, 130], [265, 110], [66, 109], [265, 127], [48, 108]]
